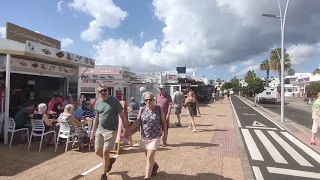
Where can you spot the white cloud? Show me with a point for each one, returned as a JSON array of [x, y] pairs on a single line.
[[190, 36], [247, 63], [3, 32], [105, 12], [59, 8], [191, 70], [299, 53], [246, 69], [233, 69], [211, 67], [141, 35], [65, 42]]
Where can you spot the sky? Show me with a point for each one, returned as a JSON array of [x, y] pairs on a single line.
[[214, 38]]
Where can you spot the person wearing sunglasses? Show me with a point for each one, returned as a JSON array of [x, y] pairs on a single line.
[[105, 127], [151, 119]]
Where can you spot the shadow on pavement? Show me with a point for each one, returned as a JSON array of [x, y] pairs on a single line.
[[139, 150], [196, 145], [221, 115], [163, 175], [17, 158], [210, 130]]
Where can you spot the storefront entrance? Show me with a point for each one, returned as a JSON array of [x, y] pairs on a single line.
[[33, 89]]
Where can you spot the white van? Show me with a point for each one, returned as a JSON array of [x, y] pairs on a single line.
[[269, 95]]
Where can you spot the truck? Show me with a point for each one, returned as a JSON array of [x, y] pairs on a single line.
[[269, 95]]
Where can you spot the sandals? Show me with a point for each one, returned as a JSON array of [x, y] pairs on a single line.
[[313, 143]]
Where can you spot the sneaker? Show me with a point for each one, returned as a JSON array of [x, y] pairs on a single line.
[[112, 161], [155, 169], [104, 177]]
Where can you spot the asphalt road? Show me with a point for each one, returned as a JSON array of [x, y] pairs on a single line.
[[299, 116], [273, 152]]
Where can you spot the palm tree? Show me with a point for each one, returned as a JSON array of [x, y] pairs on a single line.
[[291, 72], [265, 66], [275, 61], [316, 71]]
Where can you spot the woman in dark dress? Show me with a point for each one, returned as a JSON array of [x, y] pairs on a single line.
[[192, 105]]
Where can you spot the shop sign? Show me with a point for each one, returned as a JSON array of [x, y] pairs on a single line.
[[171, 77], [307, 79], [40, 49], [44, 67], [102, 71], [20, 34]]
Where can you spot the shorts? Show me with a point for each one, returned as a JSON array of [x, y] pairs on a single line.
[[149, 144], [105, 139], [177, 110]]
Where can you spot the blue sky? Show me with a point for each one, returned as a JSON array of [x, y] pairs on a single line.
[[148, 18]]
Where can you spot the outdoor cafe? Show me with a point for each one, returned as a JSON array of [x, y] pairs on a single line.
[[32, 67]]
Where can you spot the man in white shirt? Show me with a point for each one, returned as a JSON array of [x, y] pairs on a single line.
[[178, 100]]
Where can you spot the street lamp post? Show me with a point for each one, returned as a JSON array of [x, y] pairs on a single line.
[[282, 27]]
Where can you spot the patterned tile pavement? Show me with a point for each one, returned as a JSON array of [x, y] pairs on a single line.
[[209, 154]]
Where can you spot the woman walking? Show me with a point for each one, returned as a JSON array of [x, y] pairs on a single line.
[[152, 121], [316, 119], [192, 105]]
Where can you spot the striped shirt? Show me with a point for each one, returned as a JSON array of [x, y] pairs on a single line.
[[87, 113]]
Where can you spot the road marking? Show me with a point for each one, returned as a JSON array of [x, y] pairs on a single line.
[[252, 147], [263, 114], [277, 157], [92, 169], [257, 173], [235, 114], [248, 114], [266, 128], [291, 172], [96, 167], [293, 153], [302, 146], [257, 123]]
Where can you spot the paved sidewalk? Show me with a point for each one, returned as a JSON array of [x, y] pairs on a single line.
[[211, 154]]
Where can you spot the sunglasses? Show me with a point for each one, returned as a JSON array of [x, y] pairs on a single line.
[[148, 100], [103, 91]]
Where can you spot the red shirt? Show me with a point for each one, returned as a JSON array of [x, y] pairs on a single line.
[[53, 102], [163, 102]]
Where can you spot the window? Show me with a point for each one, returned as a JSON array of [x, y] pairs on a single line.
[[289, 90]]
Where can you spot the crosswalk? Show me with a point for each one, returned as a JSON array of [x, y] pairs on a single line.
[[285, 150]]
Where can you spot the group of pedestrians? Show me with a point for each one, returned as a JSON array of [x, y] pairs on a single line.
[[153, 120]]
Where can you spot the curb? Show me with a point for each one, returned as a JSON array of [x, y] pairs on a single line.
[[246, 167]]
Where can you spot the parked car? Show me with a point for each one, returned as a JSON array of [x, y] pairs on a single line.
[[269, 95]]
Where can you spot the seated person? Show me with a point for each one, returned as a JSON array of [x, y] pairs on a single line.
[[77, 112], [133, 104], [48, 123], [75, 124], [88, 111], [133, 110], [23, 116]]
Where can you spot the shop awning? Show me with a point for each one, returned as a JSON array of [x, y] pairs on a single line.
[[36, 51]]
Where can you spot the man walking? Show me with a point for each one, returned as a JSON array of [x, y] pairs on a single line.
[[105, 127], [178, 100], [164, 101]]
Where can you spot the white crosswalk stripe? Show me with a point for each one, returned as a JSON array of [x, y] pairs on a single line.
[[277, 157], [293, 153], [256, 145], [252, 147]]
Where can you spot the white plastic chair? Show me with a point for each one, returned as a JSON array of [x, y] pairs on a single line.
[[65, 133], [12, 129], [1, 121], [38, 131], [89, 130]]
